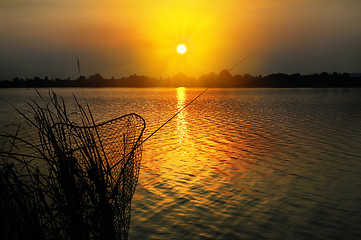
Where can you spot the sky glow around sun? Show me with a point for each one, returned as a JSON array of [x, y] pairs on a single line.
[[120, 38]]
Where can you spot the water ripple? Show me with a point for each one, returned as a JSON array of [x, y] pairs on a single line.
[[241, 163]]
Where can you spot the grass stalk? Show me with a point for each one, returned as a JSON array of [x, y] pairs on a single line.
[[69, 180]]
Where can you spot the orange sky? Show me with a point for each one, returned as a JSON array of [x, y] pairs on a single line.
[[122, 37]]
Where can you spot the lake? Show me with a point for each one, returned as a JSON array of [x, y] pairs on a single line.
[[237, 163]]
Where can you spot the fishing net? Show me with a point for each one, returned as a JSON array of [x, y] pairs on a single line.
[[108, 157], [69, 179]]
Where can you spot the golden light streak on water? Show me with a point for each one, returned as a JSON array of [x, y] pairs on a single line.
[[182, 116]]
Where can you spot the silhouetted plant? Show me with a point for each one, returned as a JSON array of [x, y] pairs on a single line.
[[69, 180]]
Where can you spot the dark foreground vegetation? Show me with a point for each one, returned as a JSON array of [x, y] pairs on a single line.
[[224, 79], [61, 179]]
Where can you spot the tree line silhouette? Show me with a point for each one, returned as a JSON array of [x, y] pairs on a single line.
[[223, 80]]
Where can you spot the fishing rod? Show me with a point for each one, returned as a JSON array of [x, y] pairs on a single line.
[[189, 103], [174, 115], [166, 122], [155, 131], [243, 59]]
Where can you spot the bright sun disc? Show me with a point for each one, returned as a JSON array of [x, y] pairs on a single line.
[[181, 48]]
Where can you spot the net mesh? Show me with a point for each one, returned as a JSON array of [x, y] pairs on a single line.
[[65, 180], [108, 156]]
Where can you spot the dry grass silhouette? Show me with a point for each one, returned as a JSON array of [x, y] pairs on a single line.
[[69, 180]]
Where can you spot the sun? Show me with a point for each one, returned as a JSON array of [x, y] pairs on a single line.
[[181, 48]]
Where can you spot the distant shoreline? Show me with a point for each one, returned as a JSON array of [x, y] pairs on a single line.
[[222, 80]]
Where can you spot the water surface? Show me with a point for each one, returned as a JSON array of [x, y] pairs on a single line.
[[237, 163]]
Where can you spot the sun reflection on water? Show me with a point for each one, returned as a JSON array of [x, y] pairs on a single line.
[[182, 123]]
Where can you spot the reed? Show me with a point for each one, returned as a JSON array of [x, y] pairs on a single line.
[[69, 180]]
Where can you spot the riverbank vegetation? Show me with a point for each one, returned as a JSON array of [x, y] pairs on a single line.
[[64, 177], [222, 80]]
